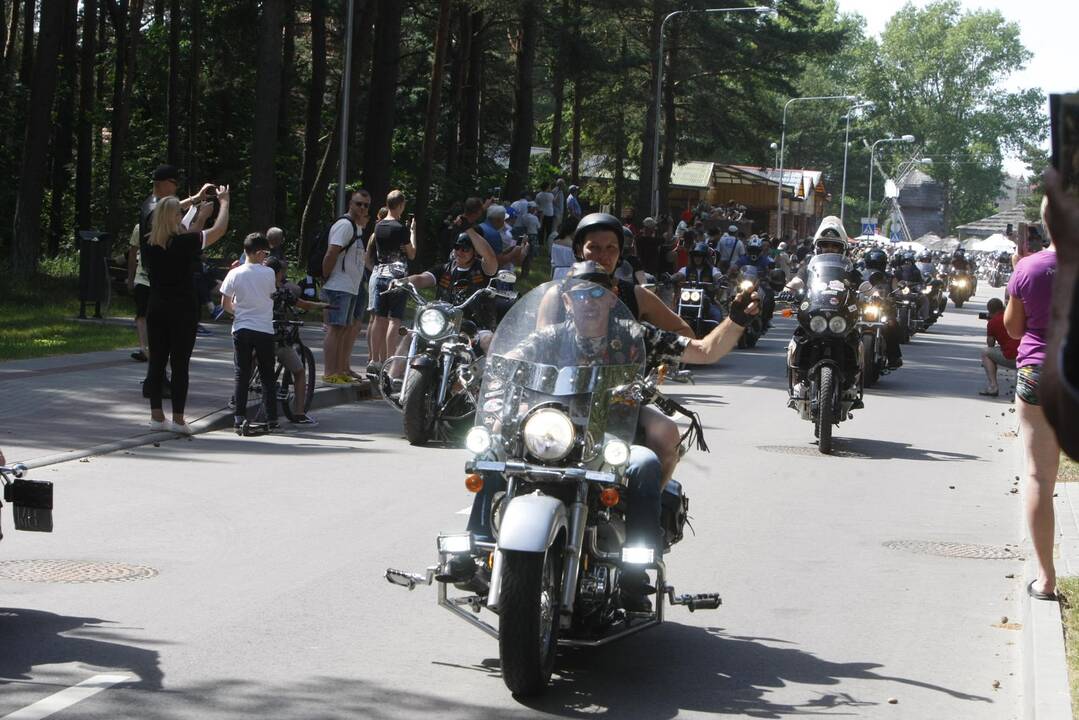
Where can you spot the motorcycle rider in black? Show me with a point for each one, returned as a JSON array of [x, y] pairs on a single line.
[[756, 257], [701, 270], [876, 271]]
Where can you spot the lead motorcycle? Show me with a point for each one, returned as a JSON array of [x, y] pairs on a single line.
[[434, 383], [553, 435], [824, 370], [30, 500]]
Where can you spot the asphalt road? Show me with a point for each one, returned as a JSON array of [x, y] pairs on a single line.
[[266, 598]]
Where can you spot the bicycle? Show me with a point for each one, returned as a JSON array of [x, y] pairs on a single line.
[[287, 333]]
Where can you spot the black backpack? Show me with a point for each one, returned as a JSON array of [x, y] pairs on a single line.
[[321, 245]]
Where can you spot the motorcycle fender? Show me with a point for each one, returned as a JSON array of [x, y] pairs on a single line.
[[791, 347], [421, 360], [530, 523]]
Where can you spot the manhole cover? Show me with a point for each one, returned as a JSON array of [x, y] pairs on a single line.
[[810, 450], [72, 571], [958, 550]]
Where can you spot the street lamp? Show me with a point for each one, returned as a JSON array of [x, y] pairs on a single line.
[[760, 10], [782, 148], [346, 100], [846, 146], [872, 152]]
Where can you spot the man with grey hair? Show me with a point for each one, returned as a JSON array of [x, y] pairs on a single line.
[[498, 235], [276, 237]]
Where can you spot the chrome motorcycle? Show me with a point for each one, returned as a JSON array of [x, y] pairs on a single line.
[[551, 451]]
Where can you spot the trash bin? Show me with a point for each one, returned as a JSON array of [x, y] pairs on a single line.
[[95, 249]]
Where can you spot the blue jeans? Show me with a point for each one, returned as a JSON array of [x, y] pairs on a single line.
[[643, 494]]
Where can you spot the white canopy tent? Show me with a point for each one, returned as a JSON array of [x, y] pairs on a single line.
[[912, 245], [996, 242]]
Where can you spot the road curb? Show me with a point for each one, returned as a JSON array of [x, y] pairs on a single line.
[[324, 397]]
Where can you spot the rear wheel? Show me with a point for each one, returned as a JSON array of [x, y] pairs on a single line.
[[825, 409], [528, 619], [417, 404], [870, 369]]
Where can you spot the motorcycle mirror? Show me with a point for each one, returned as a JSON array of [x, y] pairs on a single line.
[[506, 276]]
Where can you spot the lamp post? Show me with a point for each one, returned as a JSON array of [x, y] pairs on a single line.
[[782, 148], [346, 87], [872, 152], [760, 10], [846, 147]]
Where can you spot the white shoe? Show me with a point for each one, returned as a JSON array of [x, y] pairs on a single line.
[[180, 428], [158, 425]]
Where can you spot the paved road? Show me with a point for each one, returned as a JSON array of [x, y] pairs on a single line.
[[269, 602]]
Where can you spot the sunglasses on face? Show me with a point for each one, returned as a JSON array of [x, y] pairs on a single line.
[[585, 294], [361, 204]]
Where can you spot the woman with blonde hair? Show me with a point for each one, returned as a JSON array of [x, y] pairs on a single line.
[[170, 256]]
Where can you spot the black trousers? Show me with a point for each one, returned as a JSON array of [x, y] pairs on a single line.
[[245, 343], [170, 329]]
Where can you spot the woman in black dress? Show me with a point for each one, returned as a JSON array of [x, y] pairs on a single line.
[[170, 256]]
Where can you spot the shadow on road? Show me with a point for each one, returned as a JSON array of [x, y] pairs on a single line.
[[34, 637]]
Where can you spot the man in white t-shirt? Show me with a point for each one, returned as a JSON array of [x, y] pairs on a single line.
[[247, 294], [343, 269], [545, 203]]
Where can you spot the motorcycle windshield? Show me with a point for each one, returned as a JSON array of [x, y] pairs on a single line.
[[572, 345], [826, 280]]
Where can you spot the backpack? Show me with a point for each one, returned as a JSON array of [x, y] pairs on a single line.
[[322, 242]]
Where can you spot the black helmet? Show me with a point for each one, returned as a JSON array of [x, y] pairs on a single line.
[[464, 241], [597, 221], [876, 259], [587, 271], [702, 249]]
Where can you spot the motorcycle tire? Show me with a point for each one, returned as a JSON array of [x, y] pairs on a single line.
[[528, 619], [416, 405], [752, 335], [904, 326], [869, 360], [825, 409], [288, 387]]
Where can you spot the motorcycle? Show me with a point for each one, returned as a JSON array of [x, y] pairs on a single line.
[[907, 298], [434, 384], [748, 278], [552, 445], [824, 356], [875, 315], [695, 300], [999, 276], [30, 500], [960, 288]]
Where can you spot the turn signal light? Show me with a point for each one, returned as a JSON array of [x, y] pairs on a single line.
[[474, 482], [787, 312], [609, 497]]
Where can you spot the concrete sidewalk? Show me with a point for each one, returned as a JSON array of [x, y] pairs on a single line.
[[61, 404]]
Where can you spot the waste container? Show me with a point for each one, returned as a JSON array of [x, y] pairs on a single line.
[[95, 249]]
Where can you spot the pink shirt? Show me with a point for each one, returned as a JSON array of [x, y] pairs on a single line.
[[1032, 282]]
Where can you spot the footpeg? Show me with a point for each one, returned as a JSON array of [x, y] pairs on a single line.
[[701, 601], [410, 580]]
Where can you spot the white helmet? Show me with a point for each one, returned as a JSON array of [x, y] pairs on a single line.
[[831, 230]]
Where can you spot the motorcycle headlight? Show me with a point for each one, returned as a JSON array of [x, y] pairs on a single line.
[[687, 296], [906, 291], [432, 322], [818, 324], [838, 325], [960, 283], [695, 296], [478, 440], [616, 452], [871, 312], [927, 291], [745, 285], [548, 434]]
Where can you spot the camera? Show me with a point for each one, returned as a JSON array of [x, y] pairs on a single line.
[[983, 316]]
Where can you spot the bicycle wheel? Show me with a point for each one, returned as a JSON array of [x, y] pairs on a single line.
[[287, 391]]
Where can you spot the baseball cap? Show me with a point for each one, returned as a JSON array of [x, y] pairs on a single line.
[[166, 172]]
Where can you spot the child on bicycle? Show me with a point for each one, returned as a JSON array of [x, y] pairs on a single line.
[[287, 296]]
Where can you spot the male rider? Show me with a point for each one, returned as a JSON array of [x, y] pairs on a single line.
[[877, 276], [831, 237], [700, 271], [473, 265], [757, 257]]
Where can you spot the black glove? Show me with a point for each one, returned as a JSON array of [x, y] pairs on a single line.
[[740, 305]]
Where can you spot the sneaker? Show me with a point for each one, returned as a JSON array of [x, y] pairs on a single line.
[[180, 428], [305, 420], [139, 356], [273, 425], [158, 425], [200, 330], [238, 425]]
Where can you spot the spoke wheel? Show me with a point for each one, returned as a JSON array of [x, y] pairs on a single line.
[[528, 619]]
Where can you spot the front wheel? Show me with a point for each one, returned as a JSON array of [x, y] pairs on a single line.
[[869, 360], [528, 619], [825, 408], [416, 402], [904, 325]]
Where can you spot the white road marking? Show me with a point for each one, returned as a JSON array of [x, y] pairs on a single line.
[[69, 696], [463, 511], [755, 379]]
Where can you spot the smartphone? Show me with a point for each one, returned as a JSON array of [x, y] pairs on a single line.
[[1064, 132]]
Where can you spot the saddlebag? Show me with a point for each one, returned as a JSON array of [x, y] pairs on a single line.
[[674, 513]]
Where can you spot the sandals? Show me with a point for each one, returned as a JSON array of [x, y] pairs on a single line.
[[989, 393], [1039, 595]]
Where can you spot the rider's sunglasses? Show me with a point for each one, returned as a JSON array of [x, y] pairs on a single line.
[[584, 294]]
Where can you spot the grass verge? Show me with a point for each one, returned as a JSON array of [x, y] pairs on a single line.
[[39, 317], [1068, 591], [1069, 469]]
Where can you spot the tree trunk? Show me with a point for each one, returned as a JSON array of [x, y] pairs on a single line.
[[159, 12], [648, 139], [523, 122], [382, 100], [127, 24], [26, 240], [670, 124], [84, 165], [65, 121], [264, 133], [315, 95], [12, 36], [575, 131], [561, 50], [315, 203], [430, 128], [470, 113], [3, 39], [194, 65], [364, 20], [173, 122], [284, 134], [26, 66], [458, 78], [620, 131]]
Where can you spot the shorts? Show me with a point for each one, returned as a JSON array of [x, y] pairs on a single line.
[[997, 356], [287, 356], [342, 307], [1026, 386], [142, 300], [380, 305]]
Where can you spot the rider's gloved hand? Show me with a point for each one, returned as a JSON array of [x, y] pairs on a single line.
[[744, 306]]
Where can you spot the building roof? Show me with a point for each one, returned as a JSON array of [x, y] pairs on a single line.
[[797, 183], [696, 174], [997, 223]]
